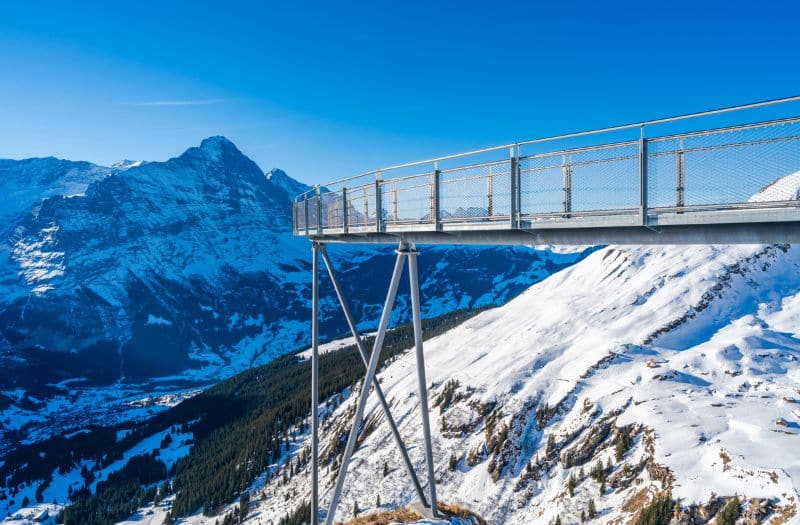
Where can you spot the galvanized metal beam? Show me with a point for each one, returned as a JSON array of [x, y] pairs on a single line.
[[378, 390], [411, 252], [744, 233], [372, 368], [315, 248]]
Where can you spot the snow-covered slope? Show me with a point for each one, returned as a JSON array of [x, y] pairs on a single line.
[[25, 183], [676, 368]]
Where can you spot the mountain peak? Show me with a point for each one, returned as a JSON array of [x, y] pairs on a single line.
[[215, 147], [291, 186]]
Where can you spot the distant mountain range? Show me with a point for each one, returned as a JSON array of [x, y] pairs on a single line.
[[186, 270]]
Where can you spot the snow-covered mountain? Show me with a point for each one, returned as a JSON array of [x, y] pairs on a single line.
[[639, 373], [291, 186], [156, 277], [24, 184]]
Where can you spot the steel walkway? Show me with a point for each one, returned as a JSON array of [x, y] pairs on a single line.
[[700, 181], [624, 184]]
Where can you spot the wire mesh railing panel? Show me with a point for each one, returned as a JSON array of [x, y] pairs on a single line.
[[477, 193], [332, 209], [593, 179], [299, 216], [605, 178], [723, 168], [361, 206], [745, 165], [408, 200], [541, 186]]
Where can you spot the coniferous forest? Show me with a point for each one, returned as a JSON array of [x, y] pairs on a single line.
[[241, 426]]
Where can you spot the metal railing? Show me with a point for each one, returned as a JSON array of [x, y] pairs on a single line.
[[625, 173]]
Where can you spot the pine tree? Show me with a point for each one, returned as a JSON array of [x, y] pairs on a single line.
[[453, 462], [729, 513], [583, 517], [385, 469], [623, 443], [378, 502], [244, 505], [551, 446], [571, 485], [356, 510], [592, 510]]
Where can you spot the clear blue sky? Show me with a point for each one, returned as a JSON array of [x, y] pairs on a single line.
[[326, 90]]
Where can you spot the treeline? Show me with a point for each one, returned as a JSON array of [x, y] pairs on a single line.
[[268, 402], [241, 426], [118, 496]]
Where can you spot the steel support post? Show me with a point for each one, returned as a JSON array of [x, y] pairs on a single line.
[[378, 390], [305, 211], [681, 185], [372, 368], [319, 212], [345, 212], [315, 384], [515, 193], [566, 182], [378, 205], [490, 193], [423, 387], [395, 215], [436, 200], [642, 176]]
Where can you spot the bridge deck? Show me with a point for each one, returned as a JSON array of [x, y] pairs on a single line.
[[737, 183]]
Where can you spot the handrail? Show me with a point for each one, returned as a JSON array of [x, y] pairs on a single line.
[[621, 127]]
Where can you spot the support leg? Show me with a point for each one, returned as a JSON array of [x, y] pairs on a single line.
[[364, 357], [365, 386], [315, 385], [423, 388]]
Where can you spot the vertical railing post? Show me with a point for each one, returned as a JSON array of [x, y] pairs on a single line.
[[315, 384], [366, 205], [681, 185], [436, 200], [345, 211], [319, 211], [394, 202], [305, 211], [295, 225], [490, 194], [515, 193], [566, 182], [378, 203], [642, 177]]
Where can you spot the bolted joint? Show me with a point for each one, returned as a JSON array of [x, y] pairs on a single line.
[[407, 248]]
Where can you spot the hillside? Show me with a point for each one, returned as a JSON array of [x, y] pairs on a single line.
[[636, 374]]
